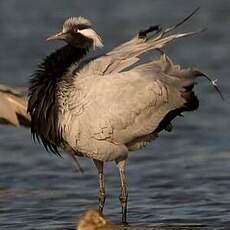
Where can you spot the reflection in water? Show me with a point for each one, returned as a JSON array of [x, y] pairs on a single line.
[[183, 177]]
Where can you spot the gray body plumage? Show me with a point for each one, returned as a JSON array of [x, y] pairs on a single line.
[[104, 116]]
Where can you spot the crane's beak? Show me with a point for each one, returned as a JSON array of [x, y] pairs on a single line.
[[58, 36]]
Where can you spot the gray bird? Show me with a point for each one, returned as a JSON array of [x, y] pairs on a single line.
[[107, 106]]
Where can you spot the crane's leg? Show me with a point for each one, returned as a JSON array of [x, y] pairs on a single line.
[[123, 195], [100, 166]]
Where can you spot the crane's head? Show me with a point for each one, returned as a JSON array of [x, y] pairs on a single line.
[[77, 31]]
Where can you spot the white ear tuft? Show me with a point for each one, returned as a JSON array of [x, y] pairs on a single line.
[[90, 33]]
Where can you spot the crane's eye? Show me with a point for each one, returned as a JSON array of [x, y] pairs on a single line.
[[75, 29]]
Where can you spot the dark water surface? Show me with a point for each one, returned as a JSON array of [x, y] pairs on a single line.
[[183, 177]]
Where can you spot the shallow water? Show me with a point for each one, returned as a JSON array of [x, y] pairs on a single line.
[[183, 177]]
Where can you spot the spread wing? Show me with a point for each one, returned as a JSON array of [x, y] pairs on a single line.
[[126, 54]]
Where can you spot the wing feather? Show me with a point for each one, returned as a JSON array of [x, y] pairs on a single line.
[[13, 105], [126, 54]]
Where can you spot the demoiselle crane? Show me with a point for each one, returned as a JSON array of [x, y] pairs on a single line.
[[105, 107]]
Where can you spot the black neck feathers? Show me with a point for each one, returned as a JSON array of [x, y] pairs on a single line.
[[56, 64], [42, 104]]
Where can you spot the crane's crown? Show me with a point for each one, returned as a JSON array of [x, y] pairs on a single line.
[[76, 23], [77, 31]]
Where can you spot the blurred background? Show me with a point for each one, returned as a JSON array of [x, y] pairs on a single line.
[[183, 177]]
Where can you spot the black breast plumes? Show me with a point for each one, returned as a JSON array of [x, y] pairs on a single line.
[[42, 104]]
